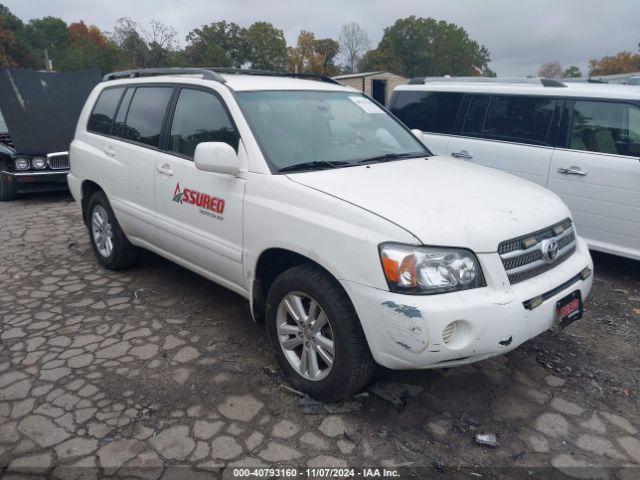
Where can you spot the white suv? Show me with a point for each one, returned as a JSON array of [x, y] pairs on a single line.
[[580, 140], [353, 244]]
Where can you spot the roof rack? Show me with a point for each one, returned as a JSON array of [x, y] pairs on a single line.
[[213, 74], [150, 72], [269, 73], [545, 82]]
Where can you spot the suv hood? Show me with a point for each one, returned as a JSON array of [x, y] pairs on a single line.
[[443, 201]]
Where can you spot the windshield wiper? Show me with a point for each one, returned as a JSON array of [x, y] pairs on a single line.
[[388, 157], [315, 165]]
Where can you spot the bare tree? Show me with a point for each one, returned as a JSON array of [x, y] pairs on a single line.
[[144, 47], [354, 42], [550, 70], [160, 39]]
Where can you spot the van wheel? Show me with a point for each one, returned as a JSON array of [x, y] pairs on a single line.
[[316, 335], [7, 190], [109, 243]]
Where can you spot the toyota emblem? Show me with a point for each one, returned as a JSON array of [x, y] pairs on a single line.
[[549, 250]]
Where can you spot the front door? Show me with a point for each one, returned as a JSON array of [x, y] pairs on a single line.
[[598, 175], [200, 213]]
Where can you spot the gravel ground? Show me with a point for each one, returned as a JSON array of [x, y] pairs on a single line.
[[158, 373]]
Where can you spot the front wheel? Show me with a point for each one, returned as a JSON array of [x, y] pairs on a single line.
[[316, 334]]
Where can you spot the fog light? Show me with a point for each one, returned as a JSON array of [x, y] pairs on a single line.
[[22, 163], [38, 163], [586, 273]]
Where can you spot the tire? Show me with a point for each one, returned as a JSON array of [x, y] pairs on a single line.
[[122, 253], [7, 190], [352, 365]]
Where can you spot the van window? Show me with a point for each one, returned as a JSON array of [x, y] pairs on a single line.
[[433, 112], [104, 110], [606, 127], [199, 117], [475, 115], [146, 114], [519, 119]]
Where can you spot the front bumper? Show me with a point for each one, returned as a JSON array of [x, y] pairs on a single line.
[[410, 332], [37, 181]]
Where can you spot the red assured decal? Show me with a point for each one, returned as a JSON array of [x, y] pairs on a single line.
[[202, 200]]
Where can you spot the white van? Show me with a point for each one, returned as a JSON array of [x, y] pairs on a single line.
[[353, 244], [580, 140]]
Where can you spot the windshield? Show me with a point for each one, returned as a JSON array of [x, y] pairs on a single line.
[[3, 125], [320, 129]]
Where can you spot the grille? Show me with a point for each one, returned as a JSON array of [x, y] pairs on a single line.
[[523, 257], [6, 139], [58, 161]]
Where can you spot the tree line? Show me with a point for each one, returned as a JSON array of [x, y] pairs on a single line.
[[411, 46], [622, 62]]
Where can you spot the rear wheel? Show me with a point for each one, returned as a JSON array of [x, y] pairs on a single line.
[[316, 334], [7, 190], [110, 245]]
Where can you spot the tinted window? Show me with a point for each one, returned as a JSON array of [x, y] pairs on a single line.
[[428, 111], [606, 127], [104, 110], [146, 113], [519, 119], [118, 125], [475, 115], [199, 117]]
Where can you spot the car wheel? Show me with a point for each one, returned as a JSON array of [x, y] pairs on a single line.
[[7, 190], [316, 335], [110, 245]]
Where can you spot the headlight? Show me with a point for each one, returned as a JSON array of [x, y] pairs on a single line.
[[429, 270], [22, 163], [38, 163]]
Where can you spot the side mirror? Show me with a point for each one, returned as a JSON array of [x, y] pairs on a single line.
[[417, 133], [216, 157]]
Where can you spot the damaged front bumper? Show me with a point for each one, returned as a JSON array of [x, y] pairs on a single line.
[[436, 331]]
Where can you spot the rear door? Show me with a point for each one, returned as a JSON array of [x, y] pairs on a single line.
[[200, 213], [597, 174], [433, 113], [131, 151], [512, 133]]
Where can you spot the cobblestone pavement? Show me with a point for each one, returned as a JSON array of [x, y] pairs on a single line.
[[156, 372]]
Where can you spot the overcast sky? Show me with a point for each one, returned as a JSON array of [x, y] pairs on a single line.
[[519, 34]]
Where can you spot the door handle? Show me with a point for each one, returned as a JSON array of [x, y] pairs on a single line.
[[165, 170], [462, 154], [572, 171], [109, 151]]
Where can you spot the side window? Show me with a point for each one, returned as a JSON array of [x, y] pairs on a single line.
[[146, 114], [606, 127], [121, 115], [428, 111], [475, 115], [199, 117], [519, 119], [104, 110]]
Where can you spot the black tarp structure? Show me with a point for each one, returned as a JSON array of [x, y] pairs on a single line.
[[41, 109]]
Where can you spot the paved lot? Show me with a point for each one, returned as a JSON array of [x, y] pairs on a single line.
[[157, 372]]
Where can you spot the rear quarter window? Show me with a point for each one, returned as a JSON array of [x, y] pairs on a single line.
[[433, 112], [104, 110]]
